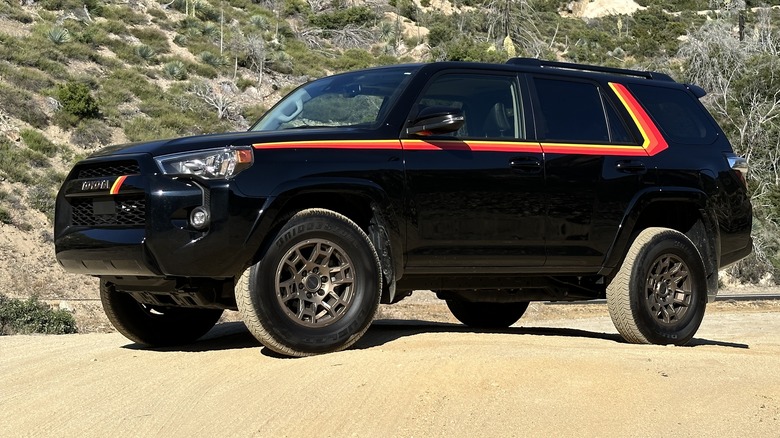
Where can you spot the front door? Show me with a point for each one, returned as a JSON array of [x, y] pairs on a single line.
[[476, 196]]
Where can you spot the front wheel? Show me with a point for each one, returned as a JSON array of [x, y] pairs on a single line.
[[155, 326], [660, 292], [487, 315], [317, 288]]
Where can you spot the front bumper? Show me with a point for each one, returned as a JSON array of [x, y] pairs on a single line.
[[137, 224]]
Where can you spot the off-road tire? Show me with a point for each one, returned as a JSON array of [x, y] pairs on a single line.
[[294, 310], [155, 326], [487, 315], [660, 292]]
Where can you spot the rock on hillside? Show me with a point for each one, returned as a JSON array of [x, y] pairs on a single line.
[[600, 8]]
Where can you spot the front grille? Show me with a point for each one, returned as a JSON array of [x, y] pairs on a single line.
[[116, 168], [127, 212]]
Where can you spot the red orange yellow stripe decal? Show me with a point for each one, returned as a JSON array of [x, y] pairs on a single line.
[[409, 144], [332, 144], [471, 145], [653, 141], [117, 185]]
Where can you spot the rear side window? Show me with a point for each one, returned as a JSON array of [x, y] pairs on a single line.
[[679, 116], [570, 112]]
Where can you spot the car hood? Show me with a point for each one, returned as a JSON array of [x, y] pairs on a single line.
[[172, 146]]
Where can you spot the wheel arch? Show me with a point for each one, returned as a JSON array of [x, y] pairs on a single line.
[[364, 202], [682, 209]]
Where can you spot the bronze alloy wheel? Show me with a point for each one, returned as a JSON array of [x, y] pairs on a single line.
[[315, 283], [668, 289]]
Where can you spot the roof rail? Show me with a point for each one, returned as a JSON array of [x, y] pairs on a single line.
[[533, 62]]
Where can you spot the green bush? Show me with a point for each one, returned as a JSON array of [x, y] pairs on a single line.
[[180, 40], [115, 27], [145, 52], [22, 105], [42, 199], [201, 69], [244, 83], [295, 7], [253, 113], [33, 316], [5, 216], [159, 14], [91, 133], [13, 12], [94, 6], [677, 5], [123, 13], [26, 78], [58, 35], [340, 18], [77, 99], [153, 38], [39, 143], [212, 59], [176, 70], [210, 30], [13, 167]]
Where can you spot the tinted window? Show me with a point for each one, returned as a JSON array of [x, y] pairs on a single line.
[[570, 112], [489, 104], [678, 114], [617, 129]]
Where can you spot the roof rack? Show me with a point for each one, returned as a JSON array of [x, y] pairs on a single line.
[[533, 62]]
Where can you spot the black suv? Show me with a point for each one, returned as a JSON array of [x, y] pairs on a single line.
[[491, 184]]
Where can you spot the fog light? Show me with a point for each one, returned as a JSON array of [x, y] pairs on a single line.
[[199, 218]]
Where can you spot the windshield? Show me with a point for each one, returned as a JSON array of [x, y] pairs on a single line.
[[357, 99]]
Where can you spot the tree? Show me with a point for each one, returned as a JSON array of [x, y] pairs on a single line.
[[743, 80], [221, 96]]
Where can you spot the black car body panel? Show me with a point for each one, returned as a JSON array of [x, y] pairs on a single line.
[[516, 203]]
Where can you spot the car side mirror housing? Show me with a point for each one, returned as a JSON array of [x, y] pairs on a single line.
[[437, 120]]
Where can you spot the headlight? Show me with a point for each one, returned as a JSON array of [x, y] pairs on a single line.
[[209, 164]]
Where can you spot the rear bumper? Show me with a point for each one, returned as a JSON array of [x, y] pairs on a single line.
[[736, 255]]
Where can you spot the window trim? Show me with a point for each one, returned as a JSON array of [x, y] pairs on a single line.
[[653, 142], [521, 108]]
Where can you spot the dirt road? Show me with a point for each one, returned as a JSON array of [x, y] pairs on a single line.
[[544, 377]]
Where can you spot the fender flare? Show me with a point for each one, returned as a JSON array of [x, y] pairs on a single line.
[[386, 227], [708, 232]]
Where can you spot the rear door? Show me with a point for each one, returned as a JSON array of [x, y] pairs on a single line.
[[476, 196], [595, 164]]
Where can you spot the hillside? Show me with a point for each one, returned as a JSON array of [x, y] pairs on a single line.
[[77, 75]]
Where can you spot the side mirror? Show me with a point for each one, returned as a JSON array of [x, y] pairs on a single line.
[[437, 120]]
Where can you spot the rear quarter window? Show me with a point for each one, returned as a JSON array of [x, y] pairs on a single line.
[[677, 113]]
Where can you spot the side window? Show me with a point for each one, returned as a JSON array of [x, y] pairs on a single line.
[[570, 112], [617, 129], [677, 113], [489, 104]]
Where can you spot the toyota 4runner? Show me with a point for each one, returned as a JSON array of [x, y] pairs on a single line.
[[491, 184]]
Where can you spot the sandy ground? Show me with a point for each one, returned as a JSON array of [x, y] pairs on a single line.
[[561, 371]]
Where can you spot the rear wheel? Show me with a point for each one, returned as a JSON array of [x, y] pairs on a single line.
[[660, 292], [317, 288], [155, 326], [487, 315]]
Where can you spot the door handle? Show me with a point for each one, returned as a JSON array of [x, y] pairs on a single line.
[[526, 164], [631, 166]]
